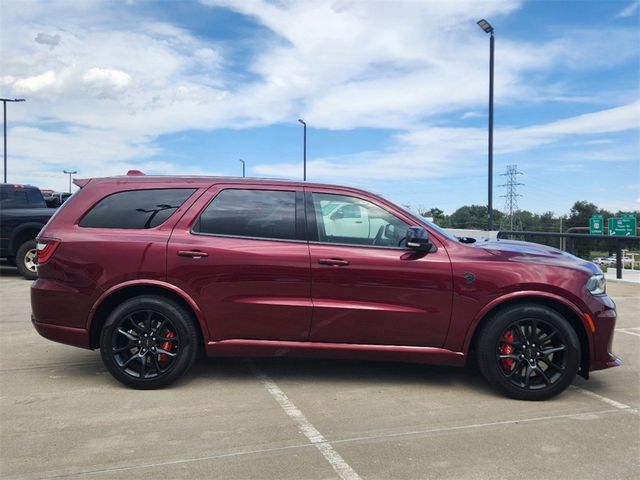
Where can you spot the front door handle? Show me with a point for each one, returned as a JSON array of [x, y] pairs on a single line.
[[334, 262], [192, 254]]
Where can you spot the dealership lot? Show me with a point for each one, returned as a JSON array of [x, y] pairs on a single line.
[[63, 416]]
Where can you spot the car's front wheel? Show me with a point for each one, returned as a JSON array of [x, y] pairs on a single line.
[[148, 342], [529, 352]]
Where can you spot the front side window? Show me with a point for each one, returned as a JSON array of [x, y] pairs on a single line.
[[250, 213], [351, 220], [136, 209]]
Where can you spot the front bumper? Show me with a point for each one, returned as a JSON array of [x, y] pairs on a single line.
[[603, 312]]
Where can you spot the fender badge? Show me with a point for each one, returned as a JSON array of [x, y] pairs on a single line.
[[469, 277]]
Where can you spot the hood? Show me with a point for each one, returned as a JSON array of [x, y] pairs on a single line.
[[535, 253]]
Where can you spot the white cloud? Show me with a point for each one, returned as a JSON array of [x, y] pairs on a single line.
[[35, 84], [114, 83], [435, 152], [628, 10], [106, 81]]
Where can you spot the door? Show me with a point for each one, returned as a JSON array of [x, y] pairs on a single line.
[[367, 288], [241, 255]]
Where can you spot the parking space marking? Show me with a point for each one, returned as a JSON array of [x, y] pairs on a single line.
[[602, 398], [239, 453], [630, 331], [342, 468]]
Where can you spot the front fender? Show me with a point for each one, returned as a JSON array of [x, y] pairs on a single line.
[[523, 296]]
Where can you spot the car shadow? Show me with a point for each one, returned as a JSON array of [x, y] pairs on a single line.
[[331, 371], [8, 270], [87, 366]]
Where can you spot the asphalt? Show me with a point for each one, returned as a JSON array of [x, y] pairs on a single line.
[[63, 416]]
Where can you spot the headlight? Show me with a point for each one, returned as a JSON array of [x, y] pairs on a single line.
[[597, 284]]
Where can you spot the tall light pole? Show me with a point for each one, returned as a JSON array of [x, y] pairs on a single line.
[[70, 172], [304, 151], [4, 104], [486, 26], [242, 162]]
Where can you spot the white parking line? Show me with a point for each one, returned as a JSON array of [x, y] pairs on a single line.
[[602, 398], [416, 433], [342, 468], [630, 331]]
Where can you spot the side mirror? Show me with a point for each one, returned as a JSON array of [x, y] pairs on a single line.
[[418, 239]]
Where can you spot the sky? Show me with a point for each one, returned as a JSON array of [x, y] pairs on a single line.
[[394, 93]]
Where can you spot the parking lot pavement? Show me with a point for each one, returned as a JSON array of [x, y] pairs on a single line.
[[63, 416]]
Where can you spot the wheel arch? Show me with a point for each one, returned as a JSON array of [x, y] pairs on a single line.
[[120, 293], [25, 232], [565, 308]]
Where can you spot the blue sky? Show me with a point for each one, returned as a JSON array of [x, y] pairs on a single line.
[[394, 93]]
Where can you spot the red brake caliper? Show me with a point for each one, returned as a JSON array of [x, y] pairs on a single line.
[[168, 346], [506, 349]]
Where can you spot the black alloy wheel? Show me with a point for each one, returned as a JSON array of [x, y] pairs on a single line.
[[530, 352], [148, 342]]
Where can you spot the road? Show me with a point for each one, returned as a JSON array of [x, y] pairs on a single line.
[[63, 416]]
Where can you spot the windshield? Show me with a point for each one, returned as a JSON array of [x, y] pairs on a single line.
[[419, 217]]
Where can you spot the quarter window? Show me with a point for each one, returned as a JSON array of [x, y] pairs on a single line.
[[351, 220], [250, 213], [136, 209]]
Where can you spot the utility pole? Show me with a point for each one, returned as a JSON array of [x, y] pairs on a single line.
[[511, 197], [70, 172], [243, 165], [4, 105], [304, 151]]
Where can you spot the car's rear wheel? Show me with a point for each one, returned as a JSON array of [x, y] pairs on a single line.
[[148, 342], [26, 260], [529, 352]]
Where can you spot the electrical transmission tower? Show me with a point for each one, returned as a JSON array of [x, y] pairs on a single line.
[[512, 220]]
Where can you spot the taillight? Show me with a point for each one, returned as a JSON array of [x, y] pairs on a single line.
[[46, 248]]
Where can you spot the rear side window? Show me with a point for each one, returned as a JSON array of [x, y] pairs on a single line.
[[136, 209], [250, 213], [12, 197]]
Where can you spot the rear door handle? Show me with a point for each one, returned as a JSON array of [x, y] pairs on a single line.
[[192, 253], [334, 262]]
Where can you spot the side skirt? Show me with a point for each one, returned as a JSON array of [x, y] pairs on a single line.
[[278, 348]]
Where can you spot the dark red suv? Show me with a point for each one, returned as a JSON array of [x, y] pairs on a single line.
[[152, 269]]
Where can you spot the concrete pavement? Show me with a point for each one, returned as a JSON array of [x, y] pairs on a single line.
[[63, 416]]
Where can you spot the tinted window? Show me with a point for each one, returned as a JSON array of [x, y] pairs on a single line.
[[250, 213], [136, 208], [12, 197], [344, 219]]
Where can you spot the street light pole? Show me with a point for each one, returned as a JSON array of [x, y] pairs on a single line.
[[486, 26], [242, 161], [4, 105], [304, 150], [70, 172]]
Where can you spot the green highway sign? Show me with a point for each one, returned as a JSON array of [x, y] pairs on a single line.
[[623, 226], [596, 225]]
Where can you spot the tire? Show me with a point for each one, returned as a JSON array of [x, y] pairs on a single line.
[[528, 352], [148, 342], [26, 258]]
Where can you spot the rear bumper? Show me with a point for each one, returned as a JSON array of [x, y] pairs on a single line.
[[77, 337], [59, 312]]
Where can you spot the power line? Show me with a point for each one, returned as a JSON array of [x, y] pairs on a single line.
[[512, 218]]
